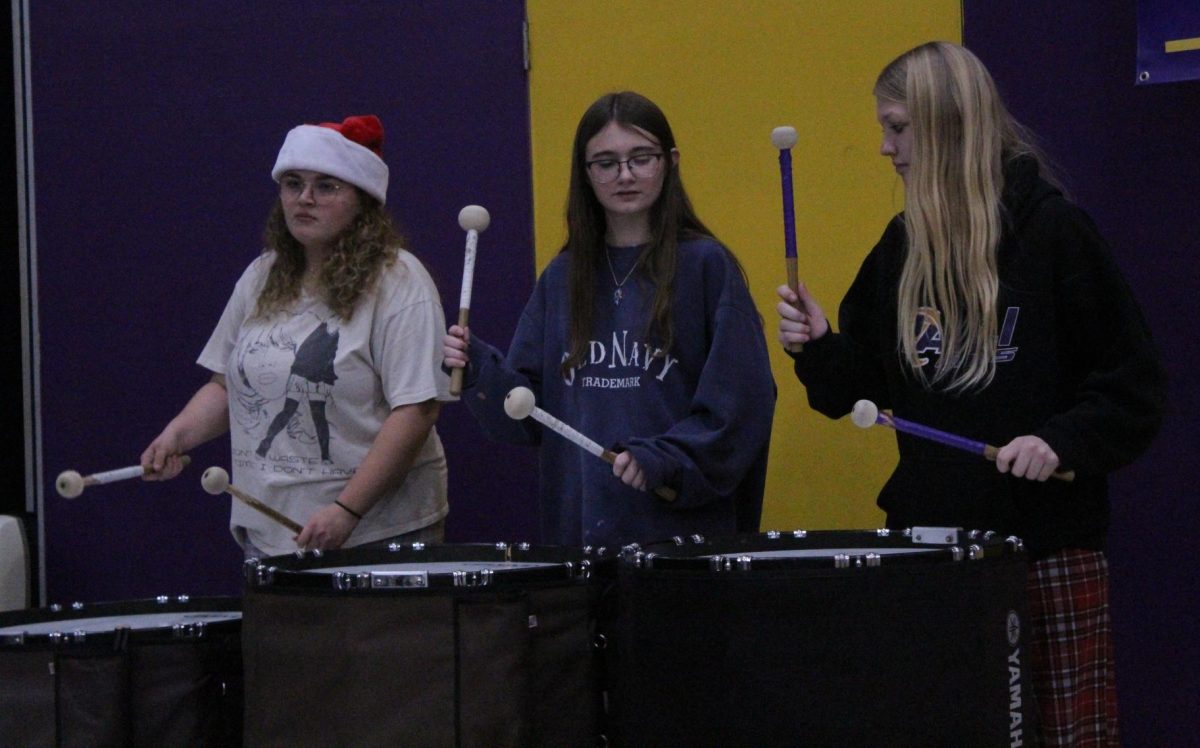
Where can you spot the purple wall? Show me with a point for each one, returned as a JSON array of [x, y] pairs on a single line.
[[155, 126], [1130, 154]]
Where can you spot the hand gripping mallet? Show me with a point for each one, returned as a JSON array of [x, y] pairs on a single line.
[[519, 404], [474, 219], [866, 414], [70, 483], [216, 481]]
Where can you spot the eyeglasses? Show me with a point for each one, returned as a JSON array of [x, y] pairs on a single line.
[[641, 166], [324, 190]]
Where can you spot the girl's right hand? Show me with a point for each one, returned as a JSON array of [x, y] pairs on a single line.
[[801, 318], [454, 347], [162, 459]]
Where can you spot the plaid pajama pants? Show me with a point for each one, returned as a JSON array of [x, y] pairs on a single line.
[[1074, 682]]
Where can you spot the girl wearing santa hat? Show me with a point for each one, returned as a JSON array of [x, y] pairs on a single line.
[[326, 365]]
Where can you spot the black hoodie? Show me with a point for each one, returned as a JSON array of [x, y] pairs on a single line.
[[1076, 367]]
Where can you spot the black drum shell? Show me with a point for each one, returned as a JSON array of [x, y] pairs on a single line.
[[135, 686], [921, 650], [507, 663]]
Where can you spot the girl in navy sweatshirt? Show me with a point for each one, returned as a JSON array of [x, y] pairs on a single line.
[[642, 335], [992, 308]]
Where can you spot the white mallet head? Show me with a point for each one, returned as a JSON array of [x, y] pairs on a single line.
[[69, 484], [784, 137], [519, 403], [865, 414], [215, 480], [474, 218]]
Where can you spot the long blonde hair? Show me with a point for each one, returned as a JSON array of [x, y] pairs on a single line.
[[962, 138], [367, 246]]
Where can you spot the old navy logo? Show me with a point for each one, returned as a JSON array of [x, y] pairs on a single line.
[[929, 335], [621, 353]]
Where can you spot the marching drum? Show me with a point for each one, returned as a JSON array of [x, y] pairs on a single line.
[[415, 645], [141, 673], [843, 638]]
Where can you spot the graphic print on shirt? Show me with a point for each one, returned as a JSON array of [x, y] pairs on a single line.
[[288, 364], [929, 335], [623, 360]]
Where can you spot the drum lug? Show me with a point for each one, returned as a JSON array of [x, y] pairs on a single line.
[[799, 533], [697, 539], [194, 630], [841, 560], [956, 553], [976, 552], [480, 578], [264, 575], [1016, 543]]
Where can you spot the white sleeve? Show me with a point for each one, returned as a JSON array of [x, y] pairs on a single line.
[[406, 337], [215, 356]]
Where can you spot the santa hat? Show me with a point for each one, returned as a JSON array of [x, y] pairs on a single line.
[[352, 151]]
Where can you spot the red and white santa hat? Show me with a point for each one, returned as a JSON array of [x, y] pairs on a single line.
[[351, 150]]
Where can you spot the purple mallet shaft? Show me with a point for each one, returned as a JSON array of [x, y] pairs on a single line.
[[925, 432], [789, 212]]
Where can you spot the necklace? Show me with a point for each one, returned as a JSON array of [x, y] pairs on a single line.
[[618, 294]]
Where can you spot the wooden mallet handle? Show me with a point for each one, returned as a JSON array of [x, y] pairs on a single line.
[[473, 219], [216, 481]]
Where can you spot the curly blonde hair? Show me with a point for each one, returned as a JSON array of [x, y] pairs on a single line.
[[367, 246]]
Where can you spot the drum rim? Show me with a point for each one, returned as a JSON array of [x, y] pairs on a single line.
[[67, 635]]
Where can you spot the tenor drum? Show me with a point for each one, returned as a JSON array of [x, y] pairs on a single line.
[[140, 673], [422, 645], [846, 638]]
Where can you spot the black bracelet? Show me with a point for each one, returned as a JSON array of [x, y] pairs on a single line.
[[348, 509]]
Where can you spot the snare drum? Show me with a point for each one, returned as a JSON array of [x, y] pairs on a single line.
[[422, 645], [843, 638], [140, 673]]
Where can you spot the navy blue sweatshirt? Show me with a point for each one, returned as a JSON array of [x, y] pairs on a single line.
[[697, 418], [1076, 366]]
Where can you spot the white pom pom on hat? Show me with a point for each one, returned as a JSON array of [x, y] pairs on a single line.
[[351, 150]]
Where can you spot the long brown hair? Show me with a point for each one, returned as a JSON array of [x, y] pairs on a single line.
[[963, 137], [671, 218], [367, 246]]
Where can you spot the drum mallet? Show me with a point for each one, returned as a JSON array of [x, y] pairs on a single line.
[[474, 220], [866, 414], [519, 404], [70, 483], [216, 481], [784, 138]]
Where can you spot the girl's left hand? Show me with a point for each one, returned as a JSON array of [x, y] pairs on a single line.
[[1027, 457], [327, 529], [629, 471]]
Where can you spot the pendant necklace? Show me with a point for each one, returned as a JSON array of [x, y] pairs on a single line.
[[618, 294]]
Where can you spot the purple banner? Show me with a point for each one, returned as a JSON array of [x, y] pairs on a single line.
[[1168, 33]]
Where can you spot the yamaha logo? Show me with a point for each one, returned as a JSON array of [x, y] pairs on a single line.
[[1013, 627]]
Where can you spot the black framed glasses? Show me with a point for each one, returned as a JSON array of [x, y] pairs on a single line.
[[640, 165], [324, 189]]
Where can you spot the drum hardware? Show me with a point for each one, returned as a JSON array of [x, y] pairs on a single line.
[[975, 552], [936, 535], [479, 578]]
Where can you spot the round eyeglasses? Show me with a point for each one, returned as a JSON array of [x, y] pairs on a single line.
[[323, 190], [641, 166]]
